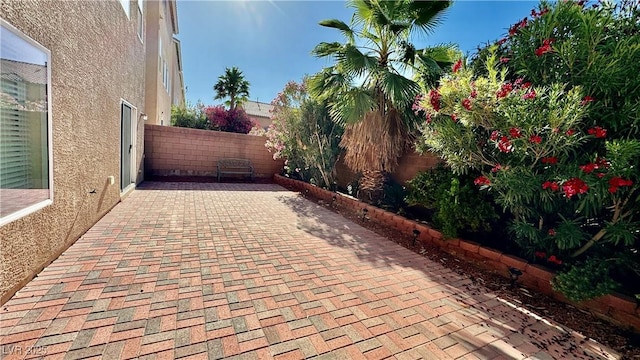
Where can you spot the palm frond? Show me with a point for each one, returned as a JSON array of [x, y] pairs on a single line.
[[398, 88], [325, 49], [363, 10], [428, 15], [340, 25], [325, 84], [354, 62], [350, 106], [444, 54]]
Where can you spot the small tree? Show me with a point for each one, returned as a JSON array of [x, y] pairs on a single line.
[[221, 119], [232, 85], [188, 116], [302, 133]]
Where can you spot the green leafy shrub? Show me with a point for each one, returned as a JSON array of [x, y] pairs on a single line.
[[568, 189], [585, 280], [189, 117], [303, 133], [595, 47], [457, 204]]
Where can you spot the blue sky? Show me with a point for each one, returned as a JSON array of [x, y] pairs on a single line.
[[271, 41]]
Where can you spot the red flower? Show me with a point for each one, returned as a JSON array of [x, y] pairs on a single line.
[[530, 95], [536, 14], [535, 139], [540, 254], [515, 133], [505, 145], [482, 180], [549, 160], [494, 135], [513, 30], [570, 132], [522, 23], [504, 90], [545, 48], [598, 132], [526, 85], [457, 66], [552, 232], [602, 162], [429, 118], [587, 99], [466, 103], [616, 182], [550, 185], [588, 168], [504, 60], [474, 93], [454, 118], [434, 96], [574, 186], [496, 168], [555, 260], [501, 41], [600, 175]]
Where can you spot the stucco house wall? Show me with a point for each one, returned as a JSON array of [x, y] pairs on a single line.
[[163, 72], [97, 60]]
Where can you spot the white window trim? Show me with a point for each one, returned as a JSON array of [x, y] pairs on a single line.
[[126, 6], [133, 171], [141, 19], [42, 204]]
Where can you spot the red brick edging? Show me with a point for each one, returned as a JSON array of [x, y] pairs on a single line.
[[617, 308]]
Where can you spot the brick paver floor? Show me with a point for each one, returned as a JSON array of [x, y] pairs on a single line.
[[252, 271]]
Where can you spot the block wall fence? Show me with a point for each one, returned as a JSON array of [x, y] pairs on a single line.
[[617, 308], [175, 151], [409, 165]]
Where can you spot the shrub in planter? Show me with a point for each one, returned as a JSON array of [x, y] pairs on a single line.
[[302, 133], [572, 192], [456, 203]]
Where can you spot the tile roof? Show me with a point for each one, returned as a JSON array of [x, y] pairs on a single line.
[[256, 108]]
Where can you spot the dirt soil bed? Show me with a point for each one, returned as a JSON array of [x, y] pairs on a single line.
[[622, 340]]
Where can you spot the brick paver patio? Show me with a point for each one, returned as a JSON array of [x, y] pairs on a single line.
[[250, 271]]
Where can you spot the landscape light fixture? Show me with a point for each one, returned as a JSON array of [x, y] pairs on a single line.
[[416, 233], [514, 274]]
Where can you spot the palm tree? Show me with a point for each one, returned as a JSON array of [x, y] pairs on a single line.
[[232, 85], [366, 87]]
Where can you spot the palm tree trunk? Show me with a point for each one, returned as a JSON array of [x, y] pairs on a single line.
[[372, 186]]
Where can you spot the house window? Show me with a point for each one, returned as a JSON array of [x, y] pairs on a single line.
[[125, 6], [26, 176], [140, 22], [160, 52]]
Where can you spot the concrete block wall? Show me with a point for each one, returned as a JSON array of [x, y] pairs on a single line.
[[175, 151], [409, 165]]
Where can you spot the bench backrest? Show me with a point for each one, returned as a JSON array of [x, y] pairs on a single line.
[[234, 163]]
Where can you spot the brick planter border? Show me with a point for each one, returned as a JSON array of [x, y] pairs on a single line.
[[617, 308]]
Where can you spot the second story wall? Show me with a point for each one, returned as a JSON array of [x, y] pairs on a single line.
[[162, 65]]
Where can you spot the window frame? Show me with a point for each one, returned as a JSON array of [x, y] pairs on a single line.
[[140, 27], [44, 203], [126, 6]]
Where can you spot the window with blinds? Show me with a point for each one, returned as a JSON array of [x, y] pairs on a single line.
[[25, 126]]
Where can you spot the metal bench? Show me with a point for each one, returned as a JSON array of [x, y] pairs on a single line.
[[234, 167]]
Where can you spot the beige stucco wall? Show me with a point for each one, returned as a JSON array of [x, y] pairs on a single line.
[[96, 60], [158, 99]]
